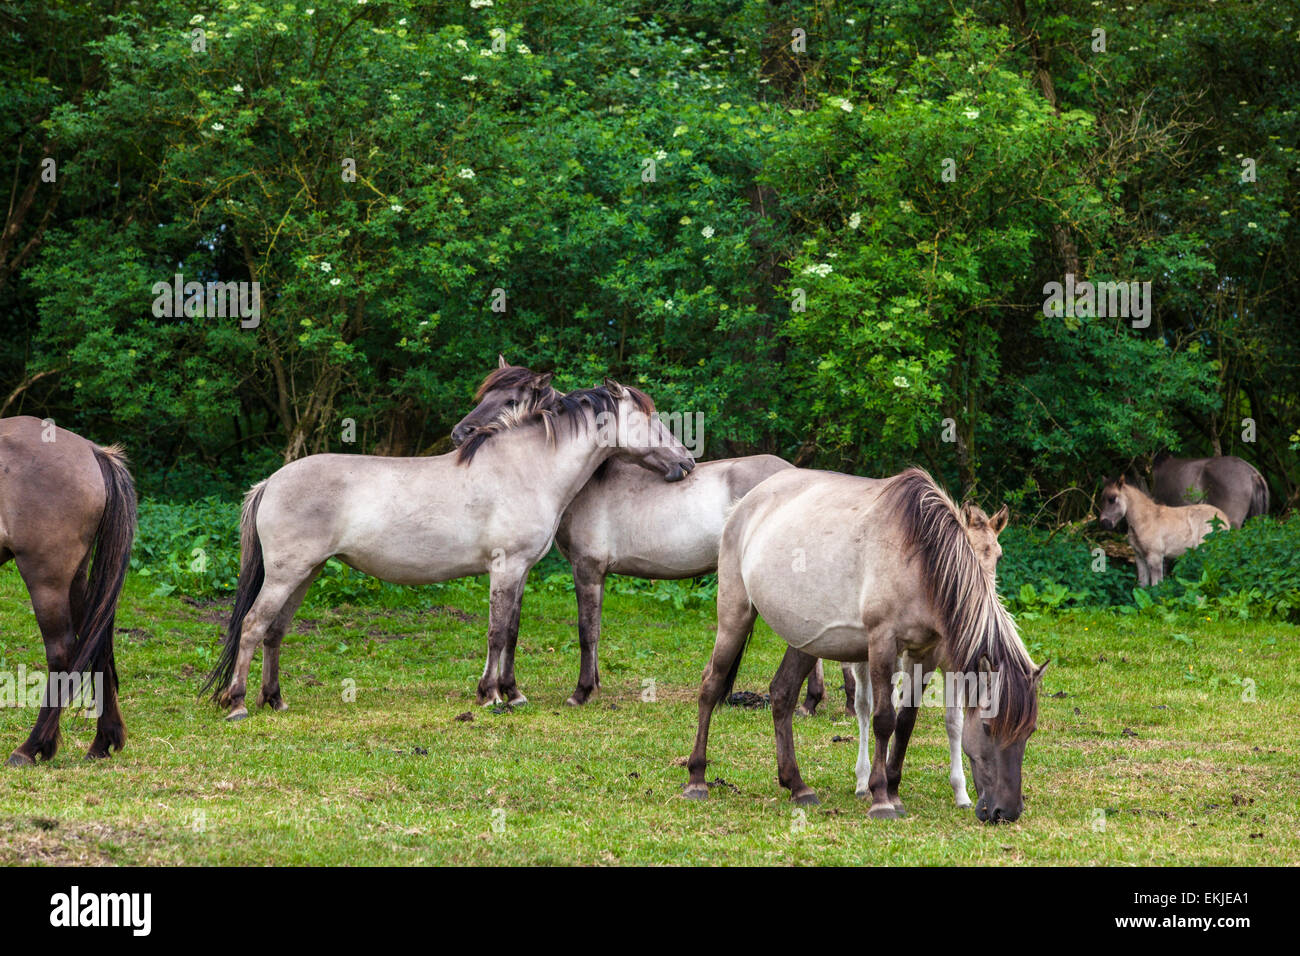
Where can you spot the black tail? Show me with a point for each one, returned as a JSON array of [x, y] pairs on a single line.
[[252, 572], [1258, 497], [112, 557], [735, 665]]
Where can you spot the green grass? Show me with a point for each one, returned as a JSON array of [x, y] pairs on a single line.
[[1140, 721]]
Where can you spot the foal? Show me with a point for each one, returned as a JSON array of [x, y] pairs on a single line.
[[1155, 531]]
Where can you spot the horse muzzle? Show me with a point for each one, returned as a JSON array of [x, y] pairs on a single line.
[[460, 433]]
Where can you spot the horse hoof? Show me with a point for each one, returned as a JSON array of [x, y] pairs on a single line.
[[237, 714], [804, 711], [696, 791], [808, 799], [573, 701], [884, 811], [862, 794], [518, 701], [281, 705], [964, 803], [17, 759]]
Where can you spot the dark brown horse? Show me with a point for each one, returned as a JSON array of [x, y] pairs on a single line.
[[1230, 484], [63, 502]]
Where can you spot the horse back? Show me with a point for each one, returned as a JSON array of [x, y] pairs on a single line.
[[51, 487]]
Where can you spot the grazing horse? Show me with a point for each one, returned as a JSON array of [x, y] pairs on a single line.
[[887, 568], [625, 520], [1230, 484], [983, 533], [63, 501], [1155, 531], [492, 506]]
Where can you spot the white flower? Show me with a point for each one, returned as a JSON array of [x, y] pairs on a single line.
[[402, 22], [469, 77], [842, 103], [635, 72], [395, 207], [197, 18], [218, 127], [900, 381], [707, 232], [855, 220], [669, 305], [325, 267], [679, 130], [483, 51], [660, 155], [310, 11], [971, 113], [237, 88], [466, 173], [1251, 225], [822, 269], [523, 49], [461, 44], [335, 281], [479, 4], [361, 3]]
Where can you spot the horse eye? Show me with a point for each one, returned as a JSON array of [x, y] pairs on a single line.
[[987, 732]]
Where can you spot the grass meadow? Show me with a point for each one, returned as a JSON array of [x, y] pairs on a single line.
[[1149, 748]]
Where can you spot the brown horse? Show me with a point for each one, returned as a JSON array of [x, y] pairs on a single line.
[[1230, 484], [889, 568], [64, 501]]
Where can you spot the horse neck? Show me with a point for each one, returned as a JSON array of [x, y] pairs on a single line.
[[1139, 510], [573, 457]]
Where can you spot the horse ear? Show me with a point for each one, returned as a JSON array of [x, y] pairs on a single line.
[[501, 361], [1119, 482], [967, 513], [614, 388], [999, 520], [1036, 677], [543, 381], [985, 666]]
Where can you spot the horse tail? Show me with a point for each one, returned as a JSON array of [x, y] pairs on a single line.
[[112, 557], [976, 626], [1258, 496], [252, 572], [730, 680]]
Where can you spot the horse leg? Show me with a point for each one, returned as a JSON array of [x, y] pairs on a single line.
[[880, 670], [735, 621], [278, 587], [589, 584], [904, 723], [816, 691], [954, 718], [52, 603], [270, 695], [850, 689], [497, 684], [862, 708], [1155, 568], [785, 691]]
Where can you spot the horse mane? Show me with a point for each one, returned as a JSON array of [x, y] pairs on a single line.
[[975, 623], [547, 407]]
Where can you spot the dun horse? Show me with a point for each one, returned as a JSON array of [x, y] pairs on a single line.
[[492, 506], [66, 505], [1155, 531], [626, 520], [888, 568], [1230, 484]]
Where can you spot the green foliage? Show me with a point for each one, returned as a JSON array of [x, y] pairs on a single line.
[[1047, 572], [1251, 572]]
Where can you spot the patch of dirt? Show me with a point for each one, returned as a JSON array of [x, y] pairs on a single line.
[[446, 610], [40, 841]]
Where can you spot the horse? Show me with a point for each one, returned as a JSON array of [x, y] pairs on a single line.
[[983, 532], [1230, 484], [625, 521], [491, 506], [67, 519], [887, 567], [1155, 531]]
